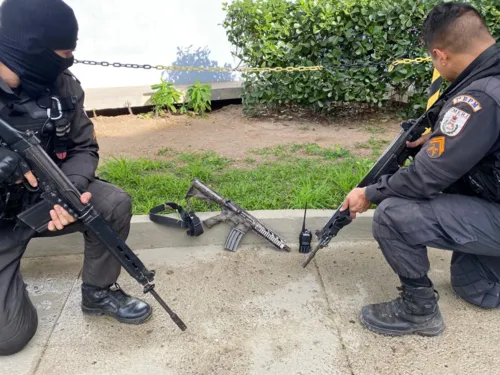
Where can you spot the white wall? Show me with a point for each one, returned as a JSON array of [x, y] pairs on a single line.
[[155, 32]]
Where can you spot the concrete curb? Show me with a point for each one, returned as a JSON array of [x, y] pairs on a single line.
[[145, 234]]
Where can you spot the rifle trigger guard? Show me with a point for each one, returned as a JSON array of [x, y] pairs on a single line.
[[188, 219]]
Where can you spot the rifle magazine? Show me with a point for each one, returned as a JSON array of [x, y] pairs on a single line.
[[233, 239], [37, 217]]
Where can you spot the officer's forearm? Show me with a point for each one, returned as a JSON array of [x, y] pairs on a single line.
[[414, 182]]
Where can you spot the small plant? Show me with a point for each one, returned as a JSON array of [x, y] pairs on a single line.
[[166, 96], [199, 98]]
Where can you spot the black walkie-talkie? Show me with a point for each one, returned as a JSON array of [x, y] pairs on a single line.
[[305, 237]]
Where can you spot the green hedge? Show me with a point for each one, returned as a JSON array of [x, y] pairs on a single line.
[[334, 33]]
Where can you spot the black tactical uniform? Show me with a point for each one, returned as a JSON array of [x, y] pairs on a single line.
[[448, 198], [55, 112]]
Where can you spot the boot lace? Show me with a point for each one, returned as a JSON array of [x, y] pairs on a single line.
[[406, 300], [118, 293]]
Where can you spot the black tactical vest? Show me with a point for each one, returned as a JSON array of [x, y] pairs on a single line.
[[483, 180], [49, 118]]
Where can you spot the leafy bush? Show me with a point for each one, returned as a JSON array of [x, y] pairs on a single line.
[[199, 98], [165, 97], [334, 34]]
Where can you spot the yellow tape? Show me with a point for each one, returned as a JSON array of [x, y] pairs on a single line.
[[434, 92], [435, 89]]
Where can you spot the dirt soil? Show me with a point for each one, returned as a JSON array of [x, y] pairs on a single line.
[[229, 133]]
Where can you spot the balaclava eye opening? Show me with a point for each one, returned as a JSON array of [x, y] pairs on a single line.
[[30, 31]]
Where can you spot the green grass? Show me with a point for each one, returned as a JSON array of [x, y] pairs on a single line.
[[376, 145], [310, 149], [303, 173]]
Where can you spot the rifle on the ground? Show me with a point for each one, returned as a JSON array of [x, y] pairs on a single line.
[[232, 213], [388, 163], [56, 188]]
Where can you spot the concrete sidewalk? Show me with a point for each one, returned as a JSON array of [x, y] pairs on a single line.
[[255, 311]]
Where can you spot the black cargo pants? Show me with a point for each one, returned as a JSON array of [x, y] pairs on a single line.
[[18, 316], [468, 226]]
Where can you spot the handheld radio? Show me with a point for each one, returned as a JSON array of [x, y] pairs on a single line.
[[305, 237]]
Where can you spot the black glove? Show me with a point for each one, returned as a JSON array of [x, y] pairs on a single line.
[[12, 167]]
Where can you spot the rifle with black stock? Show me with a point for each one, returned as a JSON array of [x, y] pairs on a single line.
[[232, 213], [54, 188], [389, 162]]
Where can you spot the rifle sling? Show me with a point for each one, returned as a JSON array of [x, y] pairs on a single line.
[[188, 218]]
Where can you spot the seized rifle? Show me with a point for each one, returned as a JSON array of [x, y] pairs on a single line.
[[231, 212], [389, 162], [56, 188]]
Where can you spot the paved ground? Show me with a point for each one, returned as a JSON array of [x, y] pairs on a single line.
[[252, 312]]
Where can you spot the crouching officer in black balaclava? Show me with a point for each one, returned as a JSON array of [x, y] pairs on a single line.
[[449, 196], [37, 92]]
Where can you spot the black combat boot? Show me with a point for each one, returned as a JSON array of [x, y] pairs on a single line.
[[415, 311], [115, 303]]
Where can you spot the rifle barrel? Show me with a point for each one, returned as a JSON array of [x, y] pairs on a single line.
[[173, 315]]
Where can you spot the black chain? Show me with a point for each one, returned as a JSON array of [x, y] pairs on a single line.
[[117, 65]]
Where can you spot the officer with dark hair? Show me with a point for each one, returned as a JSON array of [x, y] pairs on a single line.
[[449, 196], [38, 93]]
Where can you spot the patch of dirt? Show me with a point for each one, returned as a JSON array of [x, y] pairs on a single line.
[[230, 134]]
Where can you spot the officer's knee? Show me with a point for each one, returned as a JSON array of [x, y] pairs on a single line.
[[17, 332], [470, 282], [383, 216], [488, 298], [121, 203], [113, 202]]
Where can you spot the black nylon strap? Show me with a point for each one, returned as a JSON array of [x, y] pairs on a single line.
[[5, 111], [188, 219], [167, 220], [68, 103]]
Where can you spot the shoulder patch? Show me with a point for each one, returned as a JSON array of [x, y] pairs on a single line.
[[469, 100], [435, 147], [454, 121]]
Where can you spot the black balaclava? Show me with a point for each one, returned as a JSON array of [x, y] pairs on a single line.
[[30, 31]]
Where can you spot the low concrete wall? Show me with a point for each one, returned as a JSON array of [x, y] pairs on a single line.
[[139, 96], [145, 234]]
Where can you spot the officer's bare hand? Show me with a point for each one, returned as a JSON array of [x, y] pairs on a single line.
[[420, 141], [30, 177], [356, 201], [61, 218]]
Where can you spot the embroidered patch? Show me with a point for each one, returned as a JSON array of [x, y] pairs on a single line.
[[435, 147], [469, 100], [453, 121]]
